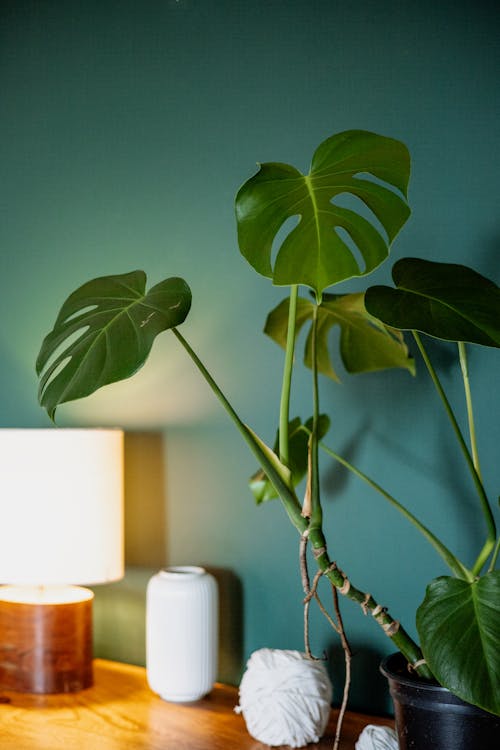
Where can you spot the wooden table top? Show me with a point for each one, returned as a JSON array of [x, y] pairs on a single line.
[[121, 713]]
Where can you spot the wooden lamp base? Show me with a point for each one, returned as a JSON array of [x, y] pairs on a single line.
[[45, 639]]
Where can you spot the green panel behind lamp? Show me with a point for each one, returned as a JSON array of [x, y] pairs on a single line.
[[119, 618]]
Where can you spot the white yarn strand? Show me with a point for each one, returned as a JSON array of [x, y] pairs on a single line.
[[377, 738], [285, 697]]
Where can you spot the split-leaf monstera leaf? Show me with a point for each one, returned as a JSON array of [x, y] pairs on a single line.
[[331, 242], [366, 344], [104, 333]]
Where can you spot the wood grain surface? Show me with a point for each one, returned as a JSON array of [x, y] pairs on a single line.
[[46, 648], [121, 713]]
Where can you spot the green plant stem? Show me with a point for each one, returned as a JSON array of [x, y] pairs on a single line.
[[287, 378], [494, 556], [282, 487], [470, 412], [402, 641], [485, 505], [457, 568], [487, 547], [316, 509]]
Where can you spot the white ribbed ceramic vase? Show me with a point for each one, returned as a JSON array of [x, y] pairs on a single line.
[[181, 633]]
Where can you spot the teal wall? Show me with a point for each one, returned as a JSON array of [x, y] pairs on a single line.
[[126, 129]]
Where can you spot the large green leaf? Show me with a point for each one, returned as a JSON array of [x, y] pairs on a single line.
[[298, 439], [444, 300], [104, 333], [459, 627], [366, 344], [315, 252]]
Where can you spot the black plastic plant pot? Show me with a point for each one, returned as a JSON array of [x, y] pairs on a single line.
[[429, 717]]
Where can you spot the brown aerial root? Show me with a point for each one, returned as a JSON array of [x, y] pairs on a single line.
[[311, 592]]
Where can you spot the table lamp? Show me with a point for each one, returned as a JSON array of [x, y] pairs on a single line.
[[61, 506]]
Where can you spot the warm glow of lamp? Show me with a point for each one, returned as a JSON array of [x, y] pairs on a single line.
[[61, 504]]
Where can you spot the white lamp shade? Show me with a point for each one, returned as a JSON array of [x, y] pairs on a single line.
[[61, 506]]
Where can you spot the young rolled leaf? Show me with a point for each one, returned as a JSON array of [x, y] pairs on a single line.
[[315, 252], [261, 487], [459, 626], [104, 333], [444, 300], [366, 344]]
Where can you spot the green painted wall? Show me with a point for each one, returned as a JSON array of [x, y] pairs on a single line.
[[126, 129]]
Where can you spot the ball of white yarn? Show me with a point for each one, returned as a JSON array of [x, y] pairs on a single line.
[[377, 738], [285, 697]]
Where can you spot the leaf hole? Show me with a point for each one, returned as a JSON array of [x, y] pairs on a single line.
[[81, 311], [286, 229], [53, 375], [346, 238], [377, 181], [353, 203], [68, 342]]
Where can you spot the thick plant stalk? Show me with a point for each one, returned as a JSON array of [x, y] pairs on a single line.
[[315, 535], [391, 627]]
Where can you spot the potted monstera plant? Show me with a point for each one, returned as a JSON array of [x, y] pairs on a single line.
[[105, 329]]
